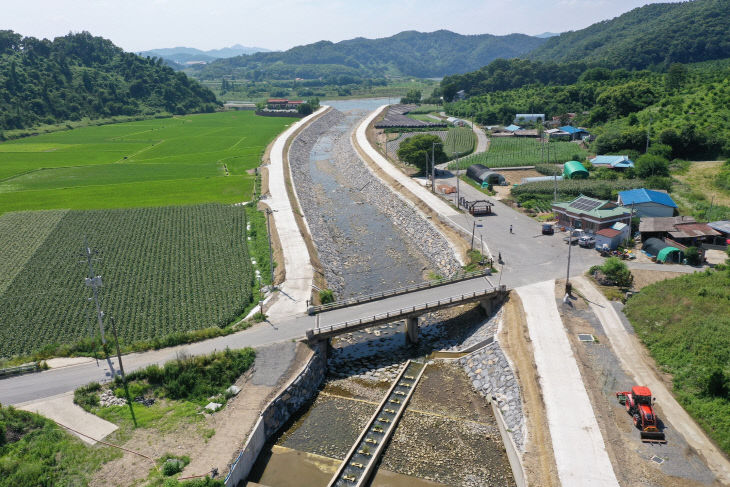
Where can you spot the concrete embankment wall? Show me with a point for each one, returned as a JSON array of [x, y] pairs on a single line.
[[297, 393]]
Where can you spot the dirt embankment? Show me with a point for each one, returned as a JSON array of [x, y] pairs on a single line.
[[514, 338]]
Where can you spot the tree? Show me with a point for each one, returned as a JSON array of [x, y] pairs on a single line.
[[676, 76], [304, 109], [413, 96], [416, 150], [693, 256], [648, 165]]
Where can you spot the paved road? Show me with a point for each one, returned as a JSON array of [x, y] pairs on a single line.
[[580, 452], [528, 255], [296, 289], [632, 356], [57, 381]]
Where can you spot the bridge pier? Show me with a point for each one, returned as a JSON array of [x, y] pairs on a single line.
[[412, 330], [491, 303]]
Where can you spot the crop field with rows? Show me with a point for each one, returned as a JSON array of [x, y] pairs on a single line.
[[459, 140], [164, 270], [172, 161], [569, 189], [521, 151]]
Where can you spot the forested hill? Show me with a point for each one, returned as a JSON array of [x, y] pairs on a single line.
[[79, 75], [409, 53], [656, 34]]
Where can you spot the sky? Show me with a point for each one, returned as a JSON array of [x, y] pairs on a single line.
[[137, 25]]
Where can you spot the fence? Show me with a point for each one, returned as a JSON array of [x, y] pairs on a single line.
[[399, 314], [20, 369], [397, 291]]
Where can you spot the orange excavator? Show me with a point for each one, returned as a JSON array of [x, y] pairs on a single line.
[[638, 404]]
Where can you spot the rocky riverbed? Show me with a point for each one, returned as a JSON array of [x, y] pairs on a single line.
[[367, 238]]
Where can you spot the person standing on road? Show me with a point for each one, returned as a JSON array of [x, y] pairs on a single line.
[[510, 229]]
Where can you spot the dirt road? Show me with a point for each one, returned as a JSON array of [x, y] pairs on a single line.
[[634, 359]]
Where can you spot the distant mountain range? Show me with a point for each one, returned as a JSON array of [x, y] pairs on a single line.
[[409, 53], [547, 35], [183, 55]]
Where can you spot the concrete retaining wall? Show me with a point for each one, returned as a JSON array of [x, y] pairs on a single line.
[[300, 390], [515, 461]]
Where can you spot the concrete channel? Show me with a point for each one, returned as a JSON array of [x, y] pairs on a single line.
[[361, 460]]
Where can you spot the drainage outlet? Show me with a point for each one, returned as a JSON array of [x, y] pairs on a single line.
[[585, 337], [656, 459]]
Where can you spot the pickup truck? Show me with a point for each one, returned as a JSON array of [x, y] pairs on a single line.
[[587, 241]]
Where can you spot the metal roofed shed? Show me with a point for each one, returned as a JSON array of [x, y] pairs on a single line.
[[483, 175], [574, 170], [612, 162], [512, 128]]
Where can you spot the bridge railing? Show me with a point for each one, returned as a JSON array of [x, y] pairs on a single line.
[[401, 313], [366, 298], [20, 369]]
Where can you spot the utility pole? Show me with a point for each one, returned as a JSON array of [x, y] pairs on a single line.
[[121, 369], [473, 227], [648, 133], [433, 165], [94, 282], [567, 276], [271, 253]]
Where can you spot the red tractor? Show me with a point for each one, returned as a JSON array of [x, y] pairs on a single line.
[[638, 405]]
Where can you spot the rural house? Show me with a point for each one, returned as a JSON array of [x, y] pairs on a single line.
[[648, 203], [679, 230], [612, 237], [576, 133], [612, 162], [282, 104], [590, 214]]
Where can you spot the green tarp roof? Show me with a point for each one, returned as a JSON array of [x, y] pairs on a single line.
[[664, 253]]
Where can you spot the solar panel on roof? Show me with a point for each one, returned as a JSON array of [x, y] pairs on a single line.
[[585, 204]]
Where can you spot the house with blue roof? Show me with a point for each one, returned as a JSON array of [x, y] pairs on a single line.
[[576, 133], [648, 203], [512, 128], [612, 162]]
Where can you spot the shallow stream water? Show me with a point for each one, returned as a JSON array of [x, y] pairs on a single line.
[[372, 253]]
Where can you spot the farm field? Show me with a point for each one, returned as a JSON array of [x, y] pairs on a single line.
[[173, 161], [519, 151], [165, 270], [459, 140]]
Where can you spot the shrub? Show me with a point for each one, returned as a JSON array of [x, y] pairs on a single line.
[[618, 272], [693, 256], [196, 378], [326, 296], [88, 396]]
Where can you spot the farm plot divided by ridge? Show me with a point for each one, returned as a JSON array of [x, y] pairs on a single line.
[[164, 270], [172, 161], [520, 151]]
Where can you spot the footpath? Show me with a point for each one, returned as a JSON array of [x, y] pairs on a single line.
[[293, 293], [579, 448], [633, 360]]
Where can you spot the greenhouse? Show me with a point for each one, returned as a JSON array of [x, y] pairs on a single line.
[[483, 175], [663, 252], [574, 170]]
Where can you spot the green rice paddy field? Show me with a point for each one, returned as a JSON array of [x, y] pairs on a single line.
[[173, 161]]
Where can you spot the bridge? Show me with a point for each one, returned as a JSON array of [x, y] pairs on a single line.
[[405, 303]]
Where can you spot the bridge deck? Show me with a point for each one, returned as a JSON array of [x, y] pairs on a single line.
[[327, 331], [360, 462]]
